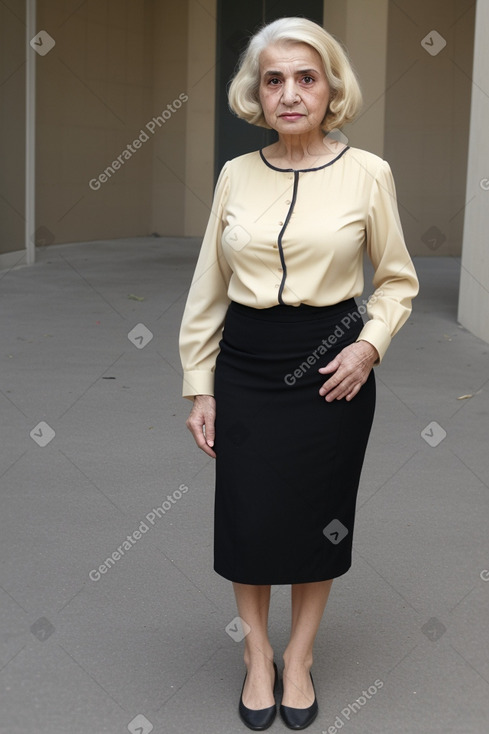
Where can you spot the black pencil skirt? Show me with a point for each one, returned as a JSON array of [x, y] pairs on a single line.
[[288, 462]]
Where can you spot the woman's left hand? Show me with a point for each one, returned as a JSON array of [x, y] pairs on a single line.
[[351, 369]]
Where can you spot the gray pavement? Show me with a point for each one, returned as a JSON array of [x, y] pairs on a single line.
[[95, 457]]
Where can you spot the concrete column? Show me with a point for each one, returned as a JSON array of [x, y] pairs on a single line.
[[30, 134], [473, 310]]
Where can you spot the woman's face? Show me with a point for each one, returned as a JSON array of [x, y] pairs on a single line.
[[294, 91]]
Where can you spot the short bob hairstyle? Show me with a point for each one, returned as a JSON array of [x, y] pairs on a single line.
[[345, 94]]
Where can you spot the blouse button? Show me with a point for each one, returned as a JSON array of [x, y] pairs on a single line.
[[288, 201], [281, 223]]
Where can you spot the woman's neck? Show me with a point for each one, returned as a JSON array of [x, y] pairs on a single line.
[[303, 151], [297, 148]]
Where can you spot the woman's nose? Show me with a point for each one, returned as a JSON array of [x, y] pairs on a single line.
[[289, 94]]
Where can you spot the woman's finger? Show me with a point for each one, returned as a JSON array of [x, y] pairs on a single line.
[[330, 367], [197, 430], [342, 391], [201, 424], [353, 368]]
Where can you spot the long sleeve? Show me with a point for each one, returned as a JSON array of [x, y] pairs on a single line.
[[207, 302], [395, 278], [299, 236]]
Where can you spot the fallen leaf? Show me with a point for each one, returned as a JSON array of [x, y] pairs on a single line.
[[132, 297]]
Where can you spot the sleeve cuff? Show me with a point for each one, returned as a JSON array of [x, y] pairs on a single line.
[[376, 333], [197, 382]]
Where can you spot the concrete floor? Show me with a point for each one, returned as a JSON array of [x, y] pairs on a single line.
[[93, 441]]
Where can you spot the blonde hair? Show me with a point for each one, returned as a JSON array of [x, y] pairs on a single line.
[[346, 97]]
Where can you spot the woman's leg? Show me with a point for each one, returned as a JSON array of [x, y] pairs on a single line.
[[253, 604], [308, 603]]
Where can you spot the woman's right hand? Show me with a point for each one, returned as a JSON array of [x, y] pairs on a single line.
[[201, 423]]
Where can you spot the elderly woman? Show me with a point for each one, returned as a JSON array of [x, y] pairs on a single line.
[[276, 357]]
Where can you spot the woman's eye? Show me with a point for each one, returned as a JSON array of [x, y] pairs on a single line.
[[307, 79], [274, 81]]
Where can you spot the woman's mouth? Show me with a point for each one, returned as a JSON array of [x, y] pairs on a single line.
[[291, 116]]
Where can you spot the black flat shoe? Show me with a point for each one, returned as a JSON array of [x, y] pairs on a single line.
[[300, 718], [258, 719]]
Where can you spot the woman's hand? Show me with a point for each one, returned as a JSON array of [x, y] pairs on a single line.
[[351, 369], [201, 423]]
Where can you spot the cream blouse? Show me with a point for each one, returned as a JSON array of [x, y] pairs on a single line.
[[285, 236]]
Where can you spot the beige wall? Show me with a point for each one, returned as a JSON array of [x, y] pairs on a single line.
[[93, 96], [199, 172], [416, 106], [118, 64], [427, 120], [120, 67], [170, 60], [352, 22], [12, 125], [183, 150]]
